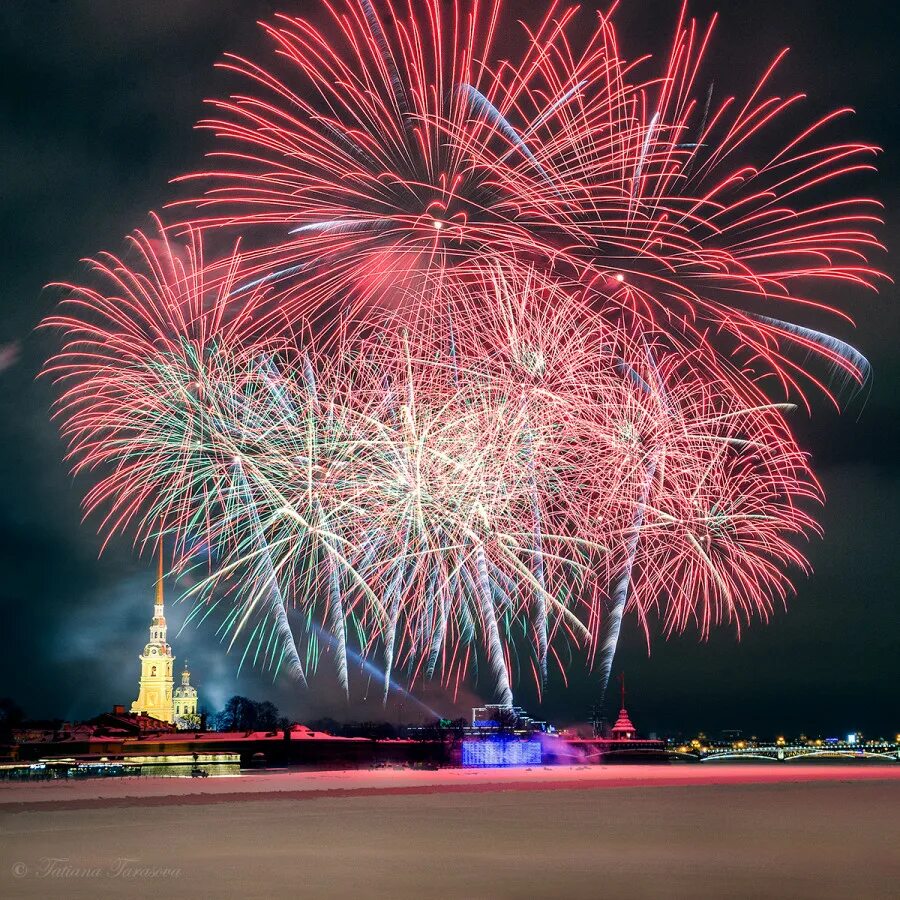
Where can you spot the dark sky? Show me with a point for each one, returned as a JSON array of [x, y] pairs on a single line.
[[96, 115]]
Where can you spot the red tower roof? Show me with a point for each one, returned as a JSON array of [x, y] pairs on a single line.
[[623, 727]]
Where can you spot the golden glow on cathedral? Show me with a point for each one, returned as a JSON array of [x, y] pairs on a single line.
[[156, 696]]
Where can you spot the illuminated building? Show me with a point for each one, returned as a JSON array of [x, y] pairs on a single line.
[[623, 730], [499, 752], [155, 688], [185, 702], [500, 737], [496, 717]]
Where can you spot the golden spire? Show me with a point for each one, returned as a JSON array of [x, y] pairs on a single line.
[[159, 577]]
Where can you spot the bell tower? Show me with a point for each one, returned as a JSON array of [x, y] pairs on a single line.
[[155, 688], [186, 702]]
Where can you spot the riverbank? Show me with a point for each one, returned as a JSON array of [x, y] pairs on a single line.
[[308, 785], [687, 832]]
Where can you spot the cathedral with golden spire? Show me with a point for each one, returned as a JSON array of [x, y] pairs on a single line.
[[156, 696]]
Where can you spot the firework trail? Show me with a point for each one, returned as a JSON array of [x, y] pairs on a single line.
[[685, 215], [154, 381], [376, 166], [621, 586], [497, 360]]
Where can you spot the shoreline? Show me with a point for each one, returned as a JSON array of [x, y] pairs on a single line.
[[158, 791]]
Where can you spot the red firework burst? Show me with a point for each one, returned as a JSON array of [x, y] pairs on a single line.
[[373, 165], [153, 343]]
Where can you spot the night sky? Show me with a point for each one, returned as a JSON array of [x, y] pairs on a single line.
[[96, 115]]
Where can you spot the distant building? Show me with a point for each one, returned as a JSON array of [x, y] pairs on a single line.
[[185, 702], [156, 697], [611, 745], [498, 717], [128, 723], [599, 722], [623, 730]]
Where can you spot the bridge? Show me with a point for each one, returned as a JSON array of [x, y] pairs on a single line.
[[793, 752]]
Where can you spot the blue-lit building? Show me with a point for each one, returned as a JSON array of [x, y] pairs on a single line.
[[503, 736], [496, 751]]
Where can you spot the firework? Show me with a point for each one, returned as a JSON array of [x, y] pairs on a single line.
[[693, 483], [344, 157], [684, 213], [145, 357], [417, 501], [435, 491], [371, 168], [714, 490], [488, 362], [155, 373]]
